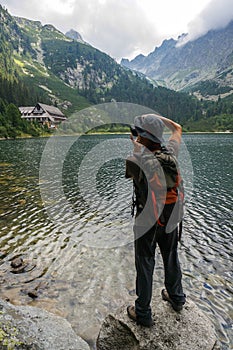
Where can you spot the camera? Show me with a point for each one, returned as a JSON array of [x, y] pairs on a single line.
[[133, 131]]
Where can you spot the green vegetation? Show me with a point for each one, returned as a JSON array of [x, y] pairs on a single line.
[[216, 123], [178, 106], [8, 340], [8, 335], [208, 87], [12, 125], [61, 92], [110, 128], [21, 94]]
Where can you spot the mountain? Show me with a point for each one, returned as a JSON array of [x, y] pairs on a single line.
[[74, 35], [203, 66], [40, 63]]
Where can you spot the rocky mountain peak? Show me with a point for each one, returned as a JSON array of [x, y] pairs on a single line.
[[74, 35], [184, 66]]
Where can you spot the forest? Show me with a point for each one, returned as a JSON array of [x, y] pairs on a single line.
[[203, 117], [14, 94]]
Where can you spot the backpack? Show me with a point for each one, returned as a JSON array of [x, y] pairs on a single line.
[[158, 170]]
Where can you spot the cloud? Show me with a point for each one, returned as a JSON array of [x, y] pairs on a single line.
[[120, 28], [48, 12], [125, 28], [217, 14]]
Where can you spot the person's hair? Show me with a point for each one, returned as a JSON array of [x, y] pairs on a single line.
[[152, 146]]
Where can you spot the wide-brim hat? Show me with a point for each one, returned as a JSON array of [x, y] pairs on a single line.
[[149, 126]]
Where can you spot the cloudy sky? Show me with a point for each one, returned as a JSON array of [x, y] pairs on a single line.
[[126, 28]]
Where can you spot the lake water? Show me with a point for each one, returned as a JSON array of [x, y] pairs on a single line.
[[71, 224]]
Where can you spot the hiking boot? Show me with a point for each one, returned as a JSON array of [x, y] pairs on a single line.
[[176, 306], [142, 322]]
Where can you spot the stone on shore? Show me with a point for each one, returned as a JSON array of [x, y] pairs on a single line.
[[27, 327], [189, 329]]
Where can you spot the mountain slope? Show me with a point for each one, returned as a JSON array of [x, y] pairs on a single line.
[[182, 67]]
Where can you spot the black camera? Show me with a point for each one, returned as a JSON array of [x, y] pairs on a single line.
[[133, 131]]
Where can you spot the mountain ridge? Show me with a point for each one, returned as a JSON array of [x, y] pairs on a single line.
[[183, 67]]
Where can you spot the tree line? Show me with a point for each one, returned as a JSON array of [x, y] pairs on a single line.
[[15, 93]]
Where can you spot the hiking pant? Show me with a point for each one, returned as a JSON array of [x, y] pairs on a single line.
[[145, 262]]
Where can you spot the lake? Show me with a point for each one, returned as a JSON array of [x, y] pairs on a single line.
[[67, 214]]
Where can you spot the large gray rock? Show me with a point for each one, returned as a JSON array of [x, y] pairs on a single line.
[[188, 330], [27, 327]]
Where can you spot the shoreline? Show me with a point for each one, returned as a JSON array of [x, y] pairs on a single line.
[[108, 133]]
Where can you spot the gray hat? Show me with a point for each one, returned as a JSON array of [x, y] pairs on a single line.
[[150, 126]]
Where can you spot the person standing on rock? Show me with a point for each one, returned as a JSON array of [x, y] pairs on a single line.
[[156, 179]]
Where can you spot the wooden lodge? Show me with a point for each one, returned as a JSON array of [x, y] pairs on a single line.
[[44, 114]]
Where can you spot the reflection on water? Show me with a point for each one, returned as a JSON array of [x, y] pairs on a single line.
[[84, 282]]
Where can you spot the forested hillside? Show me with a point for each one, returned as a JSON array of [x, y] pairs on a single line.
[[12, 125]]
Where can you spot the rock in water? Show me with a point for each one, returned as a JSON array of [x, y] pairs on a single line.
[[17, 262], [189, 329], [27, 327]]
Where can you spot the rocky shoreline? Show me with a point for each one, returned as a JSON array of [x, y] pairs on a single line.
[[189, 329], [28, 327]]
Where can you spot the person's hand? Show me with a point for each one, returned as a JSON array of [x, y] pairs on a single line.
[[137, 146]]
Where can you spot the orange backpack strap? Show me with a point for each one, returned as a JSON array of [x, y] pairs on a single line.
[[154, 202]]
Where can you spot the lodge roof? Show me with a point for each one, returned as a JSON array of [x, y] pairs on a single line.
[[50, 109], [42, 109], [26, 110]]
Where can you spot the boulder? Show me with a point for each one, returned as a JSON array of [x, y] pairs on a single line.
[[27, 327], [189, 329]]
